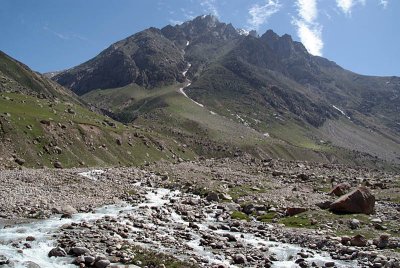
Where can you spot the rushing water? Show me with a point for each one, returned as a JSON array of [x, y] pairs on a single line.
[[44, 232]]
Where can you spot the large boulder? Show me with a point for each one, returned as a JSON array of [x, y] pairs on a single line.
[[78, 251], [360, 200], [340, 189], [57, 252]]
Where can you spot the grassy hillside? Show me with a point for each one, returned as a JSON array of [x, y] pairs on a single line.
[[208, 133]]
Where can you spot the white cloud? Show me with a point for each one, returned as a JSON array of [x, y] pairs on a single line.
[[384, 3], [311, 37], [307, 10], [259, 14], [308, 28], [209, 6], [59, 35], [175, 22], [347, 5]]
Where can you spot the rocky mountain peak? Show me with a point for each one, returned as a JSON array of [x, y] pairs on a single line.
[[283, 45]]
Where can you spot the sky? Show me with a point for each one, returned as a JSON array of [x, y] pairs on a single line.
[[49, 35]]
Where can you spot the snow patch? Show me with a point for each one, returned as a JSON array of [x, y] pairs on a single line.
[[341, 111], [183, 92], [243, 32], [186, 70]]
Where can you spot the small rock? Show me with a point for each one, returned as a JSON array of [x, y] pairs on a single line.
[[239, 259], [212, 197], [354, 224], [57, 164], [20, 161], [30, 238]]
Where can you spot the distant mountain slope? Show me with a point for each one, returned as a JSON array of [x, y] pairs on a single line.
[[147, 58], [268, 83], [17, 77]]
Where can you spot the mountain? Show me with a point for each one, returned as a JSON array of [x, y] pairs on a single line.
[[44, 124], [17, 77], [270, 84]]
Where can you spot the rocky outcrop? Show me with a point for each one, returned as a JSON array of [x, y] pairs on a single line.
[[361, 200]]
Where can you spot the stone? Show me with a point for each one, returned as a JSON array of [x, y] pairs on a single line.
[[212, 197], [57, 252], [239, 259], [45, 122], [102, 263], [382, 241], [30, 238], [294, 211], [89, 260], [248, 209], [358, 241], [119, 142], [329, 264], [31, 264], [324, 204], [354, 224], [4, 260], [57, 164], [20, 161], [360, 200], [340, 189], [78, 251]]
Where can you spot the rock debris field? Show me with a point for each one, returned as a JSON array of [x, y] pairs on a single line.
[[239, 212]]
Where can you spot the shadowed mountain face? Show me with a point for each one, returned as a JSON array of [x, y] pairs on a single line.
[[271, 80]]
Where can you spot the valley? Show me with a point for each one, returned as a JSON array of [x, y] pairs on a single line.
[[199, 145]]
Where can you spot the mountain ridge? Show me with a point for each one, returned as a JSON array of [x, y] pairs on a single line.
[[270, 79]]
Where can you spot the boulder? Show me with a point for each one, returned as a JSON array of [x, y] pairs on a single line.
[[212, 197], [30, 238], [20, 161], [78, 251], [361, 200], [340, 189], [239, 259], [358, 241], [102, 263], [57, 252], [294, 211], [58, 164], [4, 260], [324, 204], [382, 241]]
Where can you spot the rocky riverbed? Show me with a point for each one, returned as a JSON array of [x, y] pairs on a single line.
[[209, 213]]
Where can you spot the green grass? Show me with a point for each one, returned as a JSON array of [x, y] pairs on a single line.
[[82, 127], [298, 221], [240, 191], [237, 215], [267, 217]]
